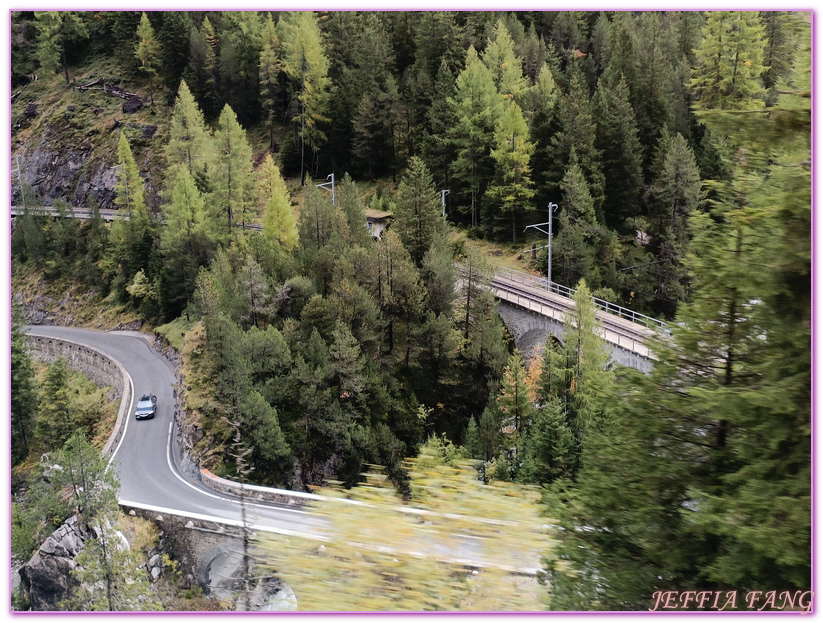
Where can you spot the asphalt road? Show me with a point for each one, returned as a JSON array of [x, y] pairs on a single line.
[[147, 460]]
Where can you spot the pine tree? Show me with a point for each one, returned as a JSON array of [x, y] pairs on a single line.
[[476, 106], [54, 30], [188, 241], [675, 194], [233, 179], [278, 219], [174, 34], [515, 402], [622, 153], [190, 144], [23, 393], [730, 62], [270, 67], [417, 215], [202, 72], [577, 132], [55, 423], [436, 147], [147, 51], [512, 186], [716, 440], [306, 65], [240, 47], [506, 68]]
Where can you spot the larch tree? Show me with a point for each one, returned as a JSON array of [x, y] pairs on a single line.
[[233, 176], [147, 51], [190, 143], [730, 62], [54, 30], [129, 195], [476, 106], [306, 65], [270, 68], [278, 220], [505, 66], [511, 189]]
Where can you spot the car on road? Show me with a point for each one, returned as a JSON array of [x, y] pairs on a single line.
[[146, 407]]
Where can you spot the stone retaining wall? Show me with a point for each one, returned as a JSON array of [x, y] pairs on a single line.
[[100, 368]]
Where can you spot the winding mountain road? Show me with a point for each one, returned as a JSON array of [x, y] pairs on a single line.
[[148, 461]]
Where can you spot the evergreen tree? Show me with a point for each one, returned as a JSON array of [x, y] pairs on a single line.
[[278, 220], [675, 194], [190, 144], [240, 47], [174, 34], [202, 73], [417, 215], [715, 441], [306, 65], [23, 394], [476, 106], [577, 132], [55, 423], [147, 52], [515, 403], [233, 179], [730, 62], [270, 67], [129, 188], [188, 241], [436, 147], [622, 153], [511, 189], [54, 30]]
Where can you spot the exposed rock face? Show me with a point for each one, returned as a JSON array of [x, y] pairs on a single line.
[[47, 576], [67, 174]]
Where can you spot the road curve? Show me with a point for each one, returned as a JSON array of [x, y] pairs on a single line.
[[147, 460]]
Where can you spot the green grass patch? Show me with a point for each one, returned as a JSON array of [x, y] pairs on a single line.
[[175, 331]]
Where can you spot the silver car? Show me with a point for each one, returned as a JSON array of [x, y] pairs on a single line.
[[146, 407]]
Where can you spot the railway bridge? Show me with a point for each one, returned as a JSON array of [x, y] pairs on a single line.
[[533, 310]]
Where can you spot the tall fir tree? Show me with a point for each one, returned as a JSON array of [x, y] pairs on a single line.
[[306, 65], [511, 191], [147, 51], [232, 179], [730, 62], [417, 215], [476, 106], [270, 68]]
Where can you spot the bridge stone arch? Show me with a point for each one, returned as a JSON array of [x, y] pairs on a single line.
[[530, 331]]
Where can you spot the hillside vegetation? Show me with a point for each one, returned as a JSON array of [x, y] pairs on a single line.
[[677, 147]]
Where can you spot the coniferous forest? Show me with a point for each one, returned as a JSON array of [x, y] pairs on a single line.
[[677, 146]]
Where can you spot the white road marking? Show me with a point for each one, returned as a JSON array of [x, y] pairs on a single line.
[[212, 495], [128, 417]]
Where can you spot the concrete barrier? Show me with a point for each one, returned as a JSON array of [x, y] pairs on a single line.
[[100, 368], [256, 492]]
